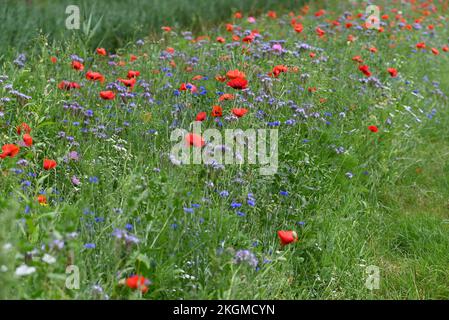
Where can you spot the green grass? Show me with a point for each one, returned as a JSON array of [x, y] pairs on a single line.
[[393, 212], [113, 23]]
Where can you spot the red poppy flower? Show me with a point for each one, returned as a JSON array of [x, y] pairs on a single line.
[[373, 49], [277, 70], [234, 74], [94, 76], [197, 77], [320, 12], [238, 15], [107, 95], [445, 48], [133, 74], [217, 111], [201, 116], [53, 59], [298, 27], [49, 164], [67, 85], [272, 14], [220, 40], [373, 129], [365, 70], [133, 58], [28, 140], [23, 127], [77, 65], [42, 199], [128, 82], [229, 27], [357, 59], [393, 72], [320, 32], [248, 39], [166, 29], [226, 96], [101, 51], [238, 83], [287, 237], [421, 45], [9, 150], [138, 282], [170, 50], [188, 86], [193, 139], [239, 112]]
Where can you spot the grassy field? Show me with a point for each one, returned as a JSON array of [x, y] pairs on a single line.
[[113, 23], [362, 173]]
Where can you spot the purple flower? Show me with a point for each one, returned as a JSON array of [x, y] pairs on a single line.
[[246, 256]]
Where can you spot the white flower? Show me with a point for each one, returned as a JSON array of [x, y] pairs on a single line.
[[3, 268], [24, 270], [48, 259]]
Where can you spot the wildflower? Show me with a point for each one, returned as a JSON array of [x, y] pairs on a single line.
[[287, 237], [49, 164], [67, 85], [90, 246], [193, 139], [75, 181], [226, 96], [94, 76], [320, 32], [107, 95], [238, 83], [77, 65], [9, 150], [133, 74], [393, 72], [278, 70], [234, 74], [24, 270], [435, 51], [365, 70], [201, 116], [421, 45], [298, 27], [272, 14], [217, 111], [277, 48], [128, 82], [27, 139], [23, 127], [138, 282], [42, 199], [373, 128], [246, 256], [101, 51], [48, 259], [239, 112]]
